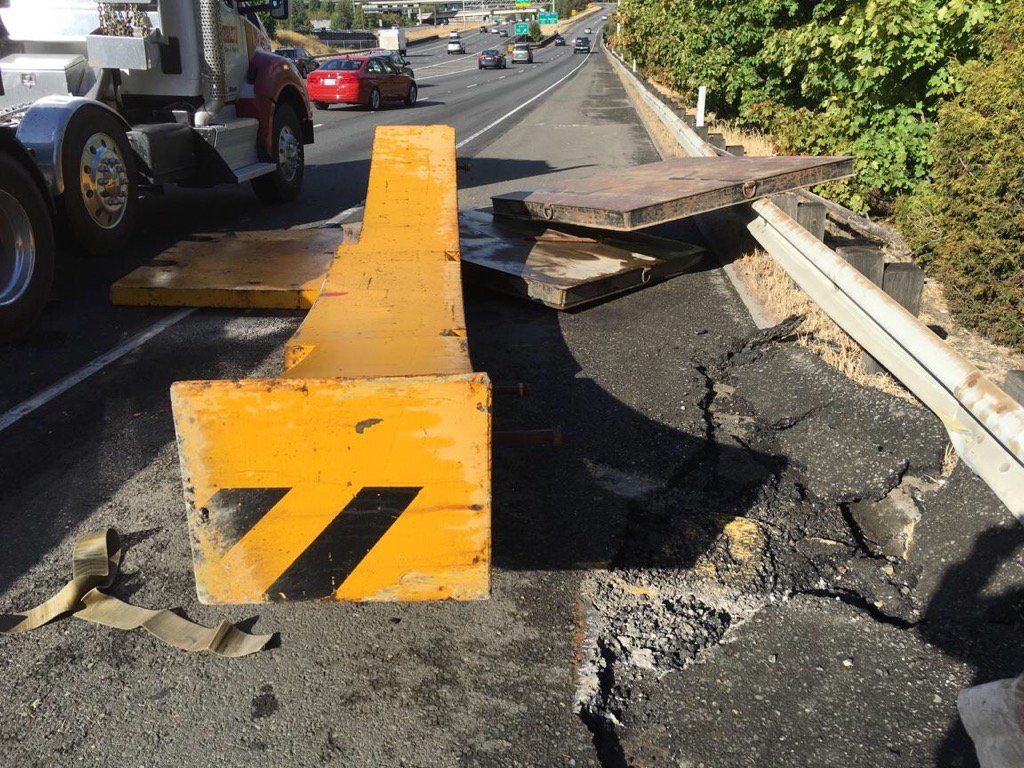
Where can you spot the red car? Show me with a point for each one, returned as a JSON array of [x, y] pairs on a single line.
[[370, 81], [491, 58]]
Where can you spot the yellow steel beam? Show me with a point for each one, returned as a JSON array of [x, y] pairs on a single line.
[[363, 472], [255, 270]]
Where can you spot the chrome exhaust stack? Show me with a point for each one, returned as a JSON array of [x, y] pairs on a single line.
[[212, 63]]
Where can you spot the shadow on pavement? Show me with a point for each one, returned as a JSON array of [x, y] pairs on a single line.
[[980, 627], [65, 462], [584, 505]]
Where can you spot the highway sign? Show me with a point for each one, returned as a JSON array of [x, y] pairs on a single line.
[[522, 28], [547, 18]]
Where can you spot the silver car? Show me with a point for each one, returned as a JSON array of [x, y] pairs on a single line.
[[522, 52]]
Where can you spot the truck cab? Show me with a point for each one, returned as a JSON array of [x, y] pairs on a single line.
[[115, 97]]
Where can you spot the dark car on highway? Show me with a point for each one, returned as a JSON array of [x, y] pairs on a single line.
[[491, 58], [559, 40], [396, 59], [502, 33], [302, 60], [582, 45]]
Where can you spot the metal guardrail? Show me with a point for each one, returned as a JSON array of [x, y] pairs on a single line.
[[985, 425]]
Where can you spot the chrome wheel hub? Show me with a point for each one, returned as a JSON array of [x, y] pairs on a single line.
[[17, 249], [104, 181], [289, 153]]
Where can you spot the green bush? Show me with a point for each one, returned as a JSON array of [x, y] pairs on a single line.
[[535, 32], [858, 77], [967, 223]]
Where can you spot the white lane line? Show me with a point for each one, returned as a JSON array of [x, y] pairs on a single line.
[[319, 125], [38, 400], [526, 103], [503, 77], [474, 85], [447, 74]]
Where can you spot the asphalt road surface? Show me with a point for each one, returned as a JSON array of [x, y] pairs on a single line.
[[681, 583]]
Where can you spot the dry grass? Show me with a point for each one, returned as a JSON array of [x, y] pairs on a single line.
[[949, 460], [818, 332], [286, 38], [755, 143]]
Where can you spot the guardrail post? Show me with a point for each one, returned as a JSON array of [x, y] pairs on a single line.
[[866, 259], [904, 281], [811, 216], [870, 262], [1013, 385]]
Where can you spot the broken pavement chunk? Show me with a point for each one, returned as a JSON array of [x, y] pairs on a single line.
[[887, 525]]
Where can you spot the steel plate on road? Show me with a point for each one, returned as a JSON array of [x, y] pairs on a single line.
[[625, 199], [566, 267]]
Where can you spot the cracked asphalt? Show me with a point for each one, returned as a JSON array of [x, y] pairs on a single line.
[[737, 558]]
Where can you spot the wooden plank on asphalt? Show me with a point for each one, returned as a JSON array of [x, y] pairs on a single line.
[[625, 199]]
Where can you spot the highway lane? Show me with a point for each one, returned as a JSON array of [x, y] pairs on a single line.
[[80, 325], [435, 684]]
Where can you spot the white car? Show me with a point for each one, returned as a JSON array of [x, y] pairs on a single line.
[[454, 36], [587, 31], [456, 46]]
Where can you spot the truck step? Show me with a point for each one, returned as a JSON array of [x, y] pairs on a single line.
[[252, 171]]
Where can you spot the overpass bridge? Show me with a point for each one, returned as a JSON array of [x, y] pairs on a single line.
[[426, 11]]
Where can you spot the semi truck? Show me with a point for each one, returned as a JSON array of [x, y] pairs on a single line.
[[103, 101]]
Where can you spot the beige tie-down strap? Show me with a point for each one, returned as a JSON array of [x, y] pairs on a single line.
[[95, 563]]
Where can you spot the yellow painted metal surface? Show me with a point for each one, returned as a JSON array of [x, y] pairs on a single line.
[[399, 315], [363, 472], [258, 270]]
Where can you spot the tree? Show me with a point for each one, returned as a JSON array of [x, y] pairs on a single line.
[[535, 31], [343, 15], [269, 23], [298, 18]]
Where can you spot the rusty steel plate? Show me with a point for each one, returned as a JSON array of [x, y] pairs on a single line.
[[566, 267], [624, 199]]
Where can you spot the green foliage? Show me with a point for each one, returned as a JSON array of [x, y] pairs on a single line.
[[564, 8], [298, 17], [966, 224], [343, 16], [535, 32], [858, 77], [269, 23]]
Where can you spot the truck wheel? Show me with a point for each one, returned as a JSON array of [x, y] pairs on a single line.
[[26, 250], [100, 203], [284, 183]]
